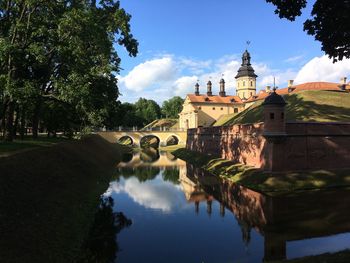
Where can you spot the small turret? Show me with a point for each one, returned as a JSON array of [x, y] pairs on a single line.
[[209, 86], [196, 89], [222, 92], [274, 115]]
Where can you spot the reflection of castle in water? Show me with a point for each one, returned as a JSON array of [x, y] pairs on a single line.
[[279, 219], [150, 157]]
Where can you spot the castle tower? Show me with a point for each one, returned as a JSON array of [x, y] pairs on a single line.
[[222, 92], [245, 78], [274, 115]]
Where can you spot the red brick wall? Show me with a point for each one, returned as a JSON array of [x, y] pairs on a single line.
[[307, 145]]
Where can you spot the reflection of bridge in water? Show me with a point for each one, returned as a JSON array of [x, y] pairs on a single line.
[[151, 157], [280, 219], [136, 137]]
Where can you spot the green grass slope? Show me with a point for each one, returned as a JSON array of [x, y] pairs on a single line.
[[309, 105], [49, 196], [168, 123], [223, 119]]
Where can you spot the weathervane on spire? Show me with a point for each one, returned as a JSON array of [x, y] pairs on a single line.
[[248, 43]]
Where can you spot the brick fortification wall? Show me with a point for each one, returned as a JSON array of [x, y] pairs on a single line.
[[306, 145]]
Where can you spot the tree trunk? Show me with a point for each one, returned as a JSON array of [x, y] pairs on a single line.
[[9, 122], [36, 117], [15, 126], [23, 122]]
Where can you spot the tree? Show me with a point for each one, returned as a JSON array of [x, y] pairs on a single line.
[[329, 23], [148, 110], [61, 51], [172, 107]]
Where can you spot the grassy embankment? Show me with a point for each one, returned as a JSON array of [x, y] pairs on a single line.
[[319, 106], [310, 105], [48, 198], [274, 183], [9, 148]]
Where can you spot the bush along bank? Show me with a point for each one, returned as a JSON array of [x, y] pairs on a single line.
[[267, 182], [49, 197]]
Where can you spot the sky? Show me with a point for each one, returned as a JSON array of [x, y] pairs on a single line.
[[185, 41]]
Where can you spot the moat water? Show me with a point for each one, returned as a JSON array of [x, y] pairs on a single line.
[[178, 213]]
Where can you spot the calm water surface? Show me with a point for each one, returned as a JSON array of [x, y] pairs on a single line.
[[181, 214]]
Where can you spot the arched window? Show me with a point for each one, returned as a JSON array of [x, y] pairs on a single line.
[[235, 110], [251, 83], [213, 108], [272, 115], [282, 115]]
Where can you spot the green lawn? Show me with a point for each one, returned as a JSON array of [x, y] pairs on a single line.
[[272, 183], [310, 105], [6, 148]]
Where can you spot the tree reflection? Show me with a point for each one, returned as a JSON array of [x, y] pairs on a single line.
[[142, 174], [171, 175], [101, 245]]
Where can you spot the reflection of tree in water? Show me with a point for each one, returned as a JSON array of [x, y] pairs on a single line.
[[171, 175], [246, 230], [141, 173], [101, 245], [149, 155]]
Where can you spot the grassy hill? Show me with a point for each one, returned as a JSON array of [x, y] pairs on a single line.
[[309, 105], [168, 123]]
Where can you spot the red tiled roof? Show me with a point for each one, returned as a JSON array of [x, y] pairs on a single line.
[[296, 88], [202, 98]]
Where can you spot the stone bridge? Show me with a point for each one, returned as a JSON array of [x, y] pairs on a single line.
[[136, 137]]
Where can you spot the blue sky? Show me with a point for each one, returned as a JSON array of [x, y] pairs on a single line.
[[182, 41]]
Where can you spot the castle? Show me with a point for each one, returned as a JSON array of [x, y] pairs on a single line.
[[203, 110]]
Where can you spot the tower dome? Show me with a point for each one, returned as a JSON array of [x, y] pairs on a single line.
[[246, 78]]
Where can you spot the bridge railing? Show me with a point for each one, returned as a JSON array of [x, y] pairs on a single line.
[[137, 129]]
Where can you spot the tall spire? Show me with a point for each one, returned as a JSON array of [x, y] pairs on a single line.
[[246, 70]]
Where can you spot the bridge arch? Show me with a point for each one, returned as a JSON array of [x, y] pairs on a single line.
[[127, 157], [172, 140], [150, 140], [126, 140]]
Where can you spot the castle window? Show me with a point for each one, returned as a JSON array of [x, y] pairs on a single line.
[[243, 83], [222, 109], [199, 107], [282, 115], [235, 110], [272, 115], [213, 108], [251, 83], [251, 94]]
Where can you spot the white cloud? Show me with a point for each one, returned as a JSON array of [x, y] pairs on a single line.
[[184, 85], [154, 194], [322, 69], [294, 59], [149, 73]]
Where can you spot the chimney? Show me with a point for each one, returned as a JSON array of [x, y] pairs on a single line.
[[290, 85], [343, 80], [222, 92], [342, 85], [268, 89], [196, 90], [209, 85]]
